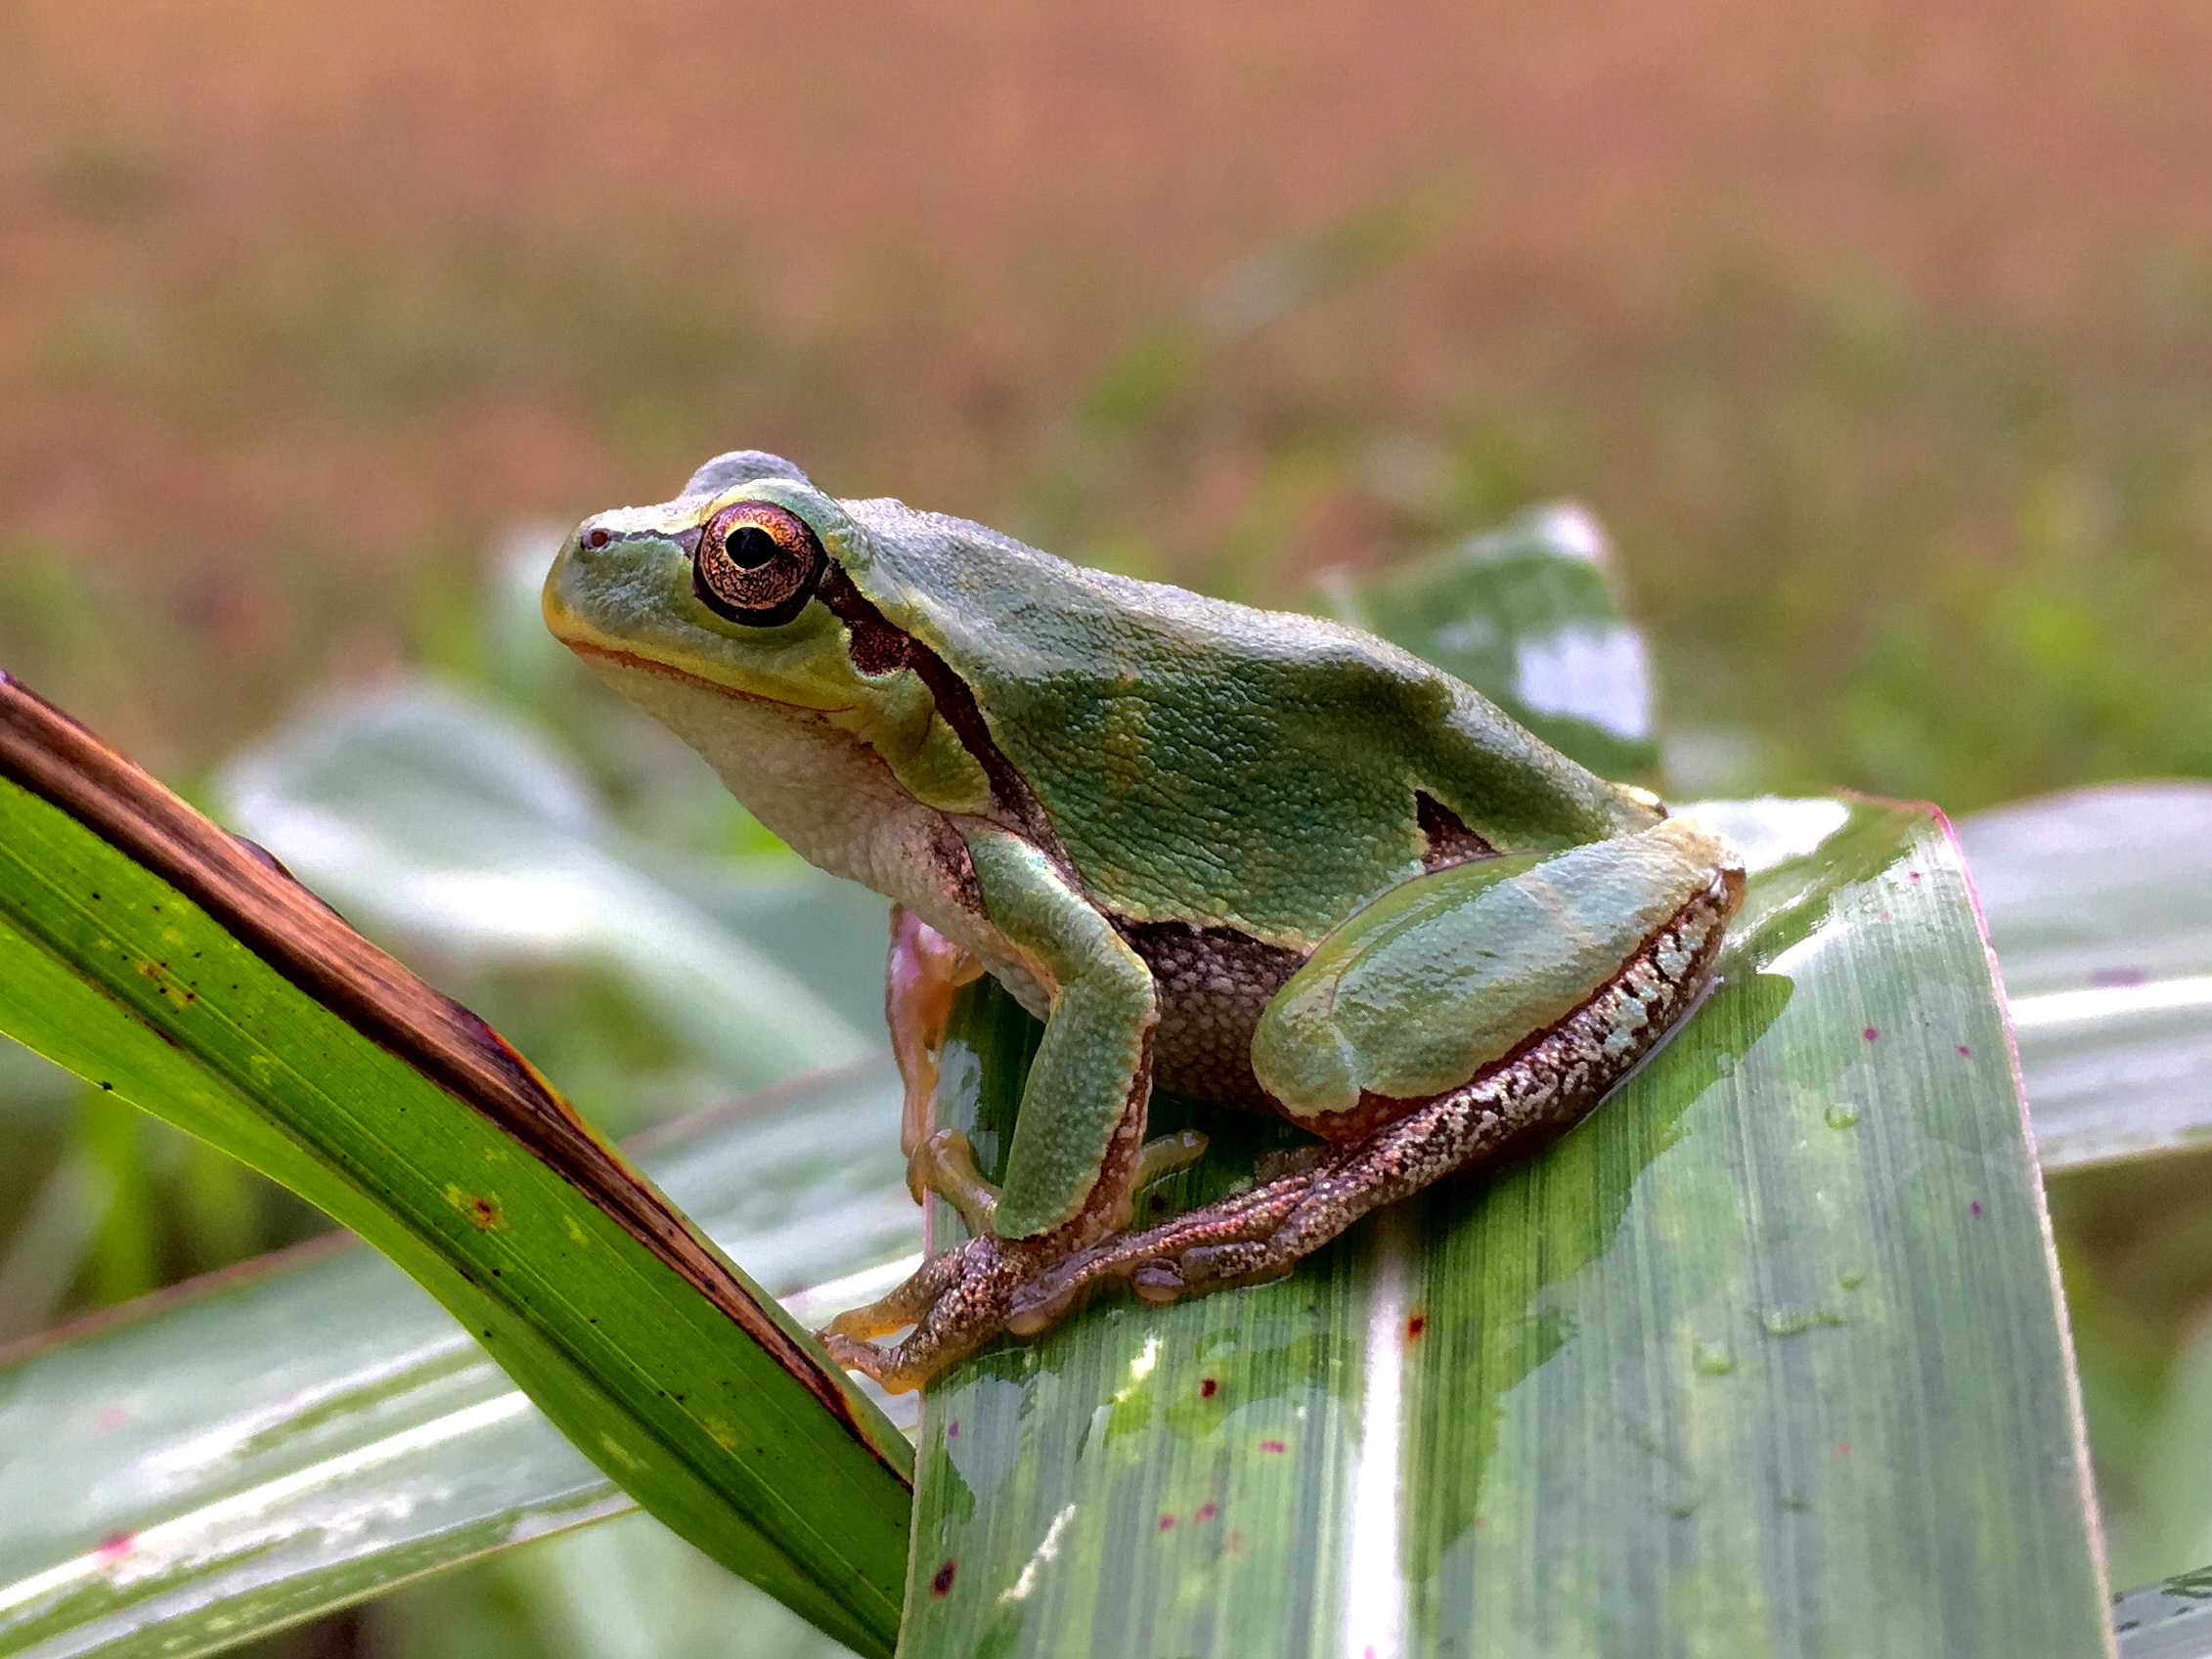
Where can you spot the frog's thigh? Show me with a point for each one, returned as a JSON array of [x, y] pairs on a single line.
[[1080, 1126], [1419, 991]]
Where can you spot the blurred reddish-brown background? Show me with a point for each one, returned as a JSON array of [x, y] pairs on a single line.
[[1877, 333]]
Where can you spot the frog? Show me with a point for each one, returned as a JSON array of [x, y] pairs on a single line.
[[1250, 857]]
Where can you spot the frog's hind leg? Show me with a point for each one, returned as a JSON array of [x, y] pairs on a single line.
[[960, 1298], [920, 975], [955, 1302], [1543, 1088]]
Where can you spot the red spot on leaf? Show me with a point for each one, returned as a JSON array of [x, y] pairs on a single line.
[[1965, 1052], [1974, 1208], [112, 1418], [1913, 875], [1869, 1034], [1207, 1511], [116, 1545], [1416, 1325], [1167, 1523], [1273, 1446], [1842, 1448], [1208, 1388], [482, 1211], [952, 1429], [941, 1582]]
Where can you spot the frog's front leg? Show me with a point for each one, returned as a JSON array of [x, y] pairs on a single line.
[[1079, 1140], [1360, 1016]]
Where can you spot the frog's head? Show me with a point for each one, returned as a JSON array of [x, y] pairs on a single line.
[[724, 584], [738, 600]]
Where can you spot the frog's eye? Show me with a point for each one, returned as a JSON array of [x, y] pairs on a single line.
[[757, 564]]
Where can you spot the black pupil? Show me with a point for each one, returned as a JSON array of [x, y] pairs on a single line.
[[751, 547]]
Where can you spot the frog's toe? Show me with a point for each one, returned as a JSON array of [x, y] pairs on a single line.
[[906, 1302], [955, 1302], [1167, 1154], [853, 1353], [943, 1164], [899, 1368], [1159, 1281]]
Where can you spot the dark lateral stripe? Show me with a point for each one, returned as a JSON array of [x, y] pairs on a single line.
[[310, 946], [1445, 837], [880, 644]]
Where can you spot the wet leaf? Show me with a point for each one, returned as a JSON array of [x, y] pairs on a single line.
[[1766, 1357]]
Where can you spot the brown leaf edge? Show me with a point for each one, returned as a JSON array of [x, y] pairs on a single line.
[[260, 903]]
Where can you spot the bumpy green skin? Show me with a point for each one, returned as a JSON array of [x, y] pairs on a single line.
[[1205, 761], [1194, 761]]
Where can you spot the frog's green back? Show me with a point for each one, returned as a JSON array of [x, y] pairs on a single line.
[[1206, 760]]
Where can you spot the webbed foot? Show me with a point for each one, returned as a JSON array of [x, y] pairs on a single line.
[[960, 1298], [956, 1301]]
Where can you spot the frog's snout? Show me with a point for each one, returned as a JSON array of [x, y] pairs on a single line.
[[620, 536], [580, 550], [588, 563]]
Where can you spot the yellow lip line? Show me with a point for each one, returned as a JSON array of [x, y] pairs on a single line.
[[653, 665]]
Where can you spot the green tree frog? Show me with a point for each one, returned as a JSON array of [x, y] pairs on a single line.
[[1256, 858]]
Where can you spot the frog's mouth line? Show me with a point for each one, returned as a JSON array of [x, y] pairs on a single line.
[[584, 647]]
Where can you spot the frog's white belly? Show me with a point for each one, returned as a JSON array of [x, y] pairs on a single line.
[[833, 800]]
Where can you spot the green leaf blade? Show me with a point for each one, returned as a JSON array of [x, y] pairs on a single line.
[[2099, 904], [411, 1123], [1750, 1361], [283, 1441]]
